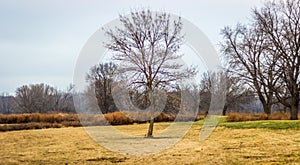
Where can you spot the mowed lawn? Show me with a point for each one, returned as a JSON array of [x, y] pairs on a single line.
[[234, 145]]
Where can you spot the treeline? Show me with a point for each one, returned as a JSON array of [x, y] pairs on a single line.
[[103, 82], [37, 98], [43, 98], [261, 72]]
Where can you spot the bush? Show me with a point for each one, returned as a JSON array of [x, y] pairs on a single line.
[[232, 117], [279, 116], [118, 118], [163, 117]]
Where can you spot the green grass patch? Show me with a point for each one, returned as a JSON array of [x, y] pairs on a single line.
[[218, 119], [267, 124]]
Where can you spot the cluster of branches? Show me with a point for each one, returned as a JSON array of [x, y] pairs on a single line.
[[146, 54], [37, 98], [238, 96], [146, 49], [100, 77], [265, 54]]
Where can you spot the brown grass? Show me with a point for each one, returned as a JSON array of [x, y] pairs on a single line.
[[224, 146], [37, 117], [235, 117], [26, 126], [38, 121], [118, 118]]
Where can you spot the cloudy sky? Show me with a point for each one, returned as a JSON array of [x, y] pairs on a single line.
[[41, 40]]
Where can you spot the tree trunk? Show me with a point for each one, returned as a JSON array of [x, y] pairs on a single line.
[[267, 109], [294, 112], [224, 109], [266, 104], [150, 130]]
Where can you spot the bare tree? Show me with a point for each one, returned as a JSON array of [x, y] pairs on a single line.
[[247, 51], [237, 94], [90, 100], [101, 78], [6, 103], [35, 98], [63, 100], [280, 22], [173, 101], [147, 47]]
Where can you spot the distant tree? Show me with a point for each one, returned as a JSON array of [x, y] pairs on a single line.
[[204, 90], [43, 98], [139, 98], [35, 98], [173, 101], [146, 48], [6, 103], [237, 94], [100, 77], [63, 100], [90, 101]]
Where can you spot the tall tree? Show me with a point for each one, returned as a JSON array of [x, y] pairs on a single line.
[[247, 51], [100, 77], [147, 47], [280, 22]]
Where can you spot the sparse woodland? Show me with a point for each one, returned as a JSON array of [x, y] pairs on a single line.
[[261, 67]]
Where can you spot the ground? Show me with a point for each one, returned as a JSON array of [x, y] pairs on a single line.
[[224, 146]]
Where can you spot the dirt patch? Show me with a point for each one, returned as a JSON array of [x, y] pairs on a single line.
[[110, 159]]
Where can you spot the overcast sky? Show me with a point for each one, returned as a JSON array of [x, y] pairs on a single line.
[[41, 40]]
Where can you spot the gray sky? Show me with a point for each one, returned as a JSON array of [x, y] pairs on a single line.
[[41, 40]]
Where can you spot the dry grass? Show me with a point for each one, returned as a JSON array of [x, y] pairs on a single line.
[[235, 117], [37, 118], [224, 146], [38, 121]]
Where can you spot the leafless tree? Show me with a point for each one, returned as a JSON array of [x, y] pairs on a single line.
[[101, 77], [63, 100], [247, 51], [237, 94], [280, 22], [90, 101], [147, 47], [173, 101], [35, 98], [6, 103]]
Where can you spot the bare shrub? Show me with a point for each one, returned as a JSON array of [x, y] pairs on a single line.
[[279, 116]]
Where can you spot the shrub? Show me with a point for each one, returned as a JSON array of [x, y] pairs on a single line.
[[279, 116], [118, 118], [163, 117]]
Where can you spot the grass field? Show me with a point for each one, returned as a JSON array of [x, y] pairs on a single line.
[[231, 143]]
